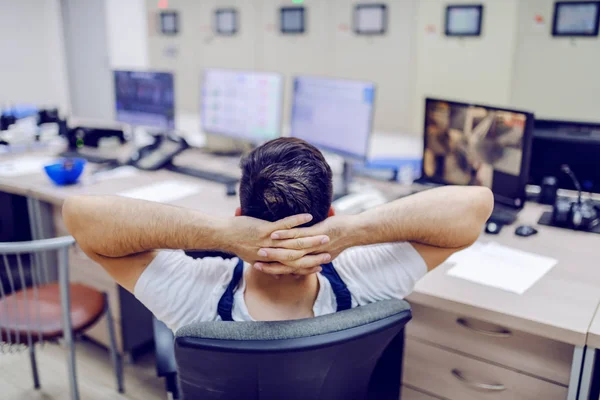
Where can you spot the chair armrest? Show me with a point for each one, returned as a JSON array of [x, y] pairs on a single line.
[[165, 349]]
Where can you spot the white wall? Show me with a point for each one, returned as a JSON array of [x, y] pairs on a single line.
[[388, 60], [127, 31], [33, 61], [328, 48], [557, 78], [516, 62], [471, 69]]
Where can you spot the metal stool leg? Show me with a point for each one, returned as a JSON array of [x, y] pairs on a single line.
[[65, 298], [116, 359], [34, 369]]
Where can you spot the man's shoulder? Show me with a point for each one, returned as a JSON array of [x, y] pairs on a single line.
[[372, 250], [176, 264]]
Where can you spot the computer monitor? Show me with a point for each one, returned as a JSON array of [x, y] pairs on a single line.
[[471, 144], [145, 99], [576, 144], [242, 105], [334, 114]]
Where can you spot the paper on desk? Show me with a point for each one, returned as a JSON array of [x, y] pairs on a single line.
[[163, 192], [24, 166], [502, 267]]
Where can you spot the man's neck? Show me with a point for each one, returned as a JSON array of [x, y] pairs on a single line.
[[292, 296]]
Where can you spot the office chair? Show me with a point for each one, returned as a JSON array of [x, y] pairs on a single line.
[[353, 354], [35, 309], [166, 366]]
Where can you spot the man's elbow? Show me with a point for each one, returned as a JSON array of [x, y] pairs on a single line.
[[71, 213], [484, 204], [481, 208]]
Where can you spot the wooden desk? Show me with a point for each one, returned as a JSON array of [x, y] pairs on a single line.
[[526, 346]]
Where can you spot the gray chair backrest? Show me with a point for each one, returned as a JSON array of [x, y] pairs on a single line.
[[353, 354], [25, 269]]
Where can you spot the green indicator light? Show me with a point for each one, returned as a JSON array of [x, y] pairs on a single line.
[[297, 1]]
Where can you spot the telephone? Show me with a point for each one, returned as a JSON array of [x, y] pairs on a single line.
[[158, 154], [359, 202]]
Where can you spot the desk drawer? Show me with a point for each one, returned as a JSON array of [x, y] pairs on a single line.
[[457, 377], [518, 350]]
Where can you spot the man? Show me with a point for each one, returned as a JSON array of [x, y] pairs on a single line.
[[300, 259]]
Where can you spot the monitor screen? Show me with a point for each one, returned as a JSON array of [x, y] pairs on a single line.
[[468, 144], [334, 114], [579, 18], [463, 20], [242, 105], [145, 99]]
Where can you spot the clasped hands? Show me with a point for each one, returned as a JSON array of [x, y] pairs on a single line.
[[281, 248]]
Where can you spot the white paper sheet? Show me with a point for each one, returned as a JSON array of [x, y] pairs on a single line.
[[24, 166], [502, 267], [163, 192]]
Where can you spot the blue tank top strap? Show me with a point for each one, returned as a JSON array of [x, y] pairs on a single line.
[[342, 294], [225, 306], [340, 290]]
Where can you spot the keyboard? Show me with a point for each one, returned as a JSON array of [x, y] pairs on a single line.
[[503, 214], [88, 157], [202, 174]]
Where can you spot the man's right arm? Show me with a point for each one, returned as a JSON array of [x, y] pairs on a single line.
[[437, 222], [123, 234]]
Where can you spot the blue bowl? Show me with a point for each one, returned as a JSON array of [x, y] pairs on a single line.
[[65, 171]]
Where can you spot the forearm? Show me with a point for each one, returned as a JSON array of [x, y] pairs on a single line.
[[118, 226], [449, 217]]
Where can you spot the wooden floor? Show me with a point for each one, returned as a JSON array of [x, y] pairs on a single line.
[[95, 375]]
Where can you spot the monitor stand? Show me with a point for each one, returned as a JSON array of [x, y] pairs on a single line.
[[344, 187]]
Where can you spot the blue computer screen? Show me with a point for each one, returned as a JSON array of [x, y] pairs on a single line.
[[334, 114], [145, 99]]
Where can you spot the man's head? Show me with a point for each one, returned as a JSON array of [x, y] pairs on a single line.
[[284, 177]]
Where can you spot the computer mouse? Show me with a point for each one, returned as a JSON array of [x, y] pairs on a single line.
[[525, 230], [493, 228]]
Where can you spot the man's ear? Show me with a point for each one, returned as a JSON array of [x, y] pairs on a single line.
[[331, 212], [238, 212]]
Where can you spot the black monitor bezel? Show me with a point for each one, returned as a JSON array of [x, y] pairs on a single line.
[[561, 4], [459, 6], [517, 202], [216, 28], [146, 72], [344, 154], [239, 137], [285, 31], [380, 6], [162, 16]]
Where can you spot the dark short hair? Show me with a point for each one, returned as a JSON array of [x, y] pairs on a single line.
[[284, 177]]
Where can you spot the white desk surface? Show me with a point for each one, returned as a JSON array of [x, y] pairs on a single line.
[[560, 306]]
